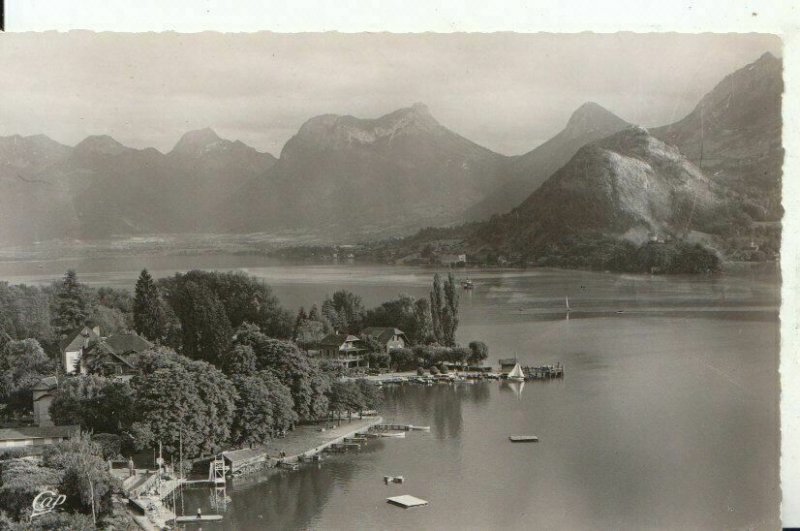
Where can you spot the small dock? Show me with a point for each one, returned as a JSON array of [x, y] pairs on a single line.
[[543, 372]]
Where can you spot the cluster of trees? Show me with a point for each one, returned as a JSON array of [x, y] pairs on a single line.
[[608, 254], [265, 387], [23, 363], [227, 367], [76, 468], [47, 313], [427, 356]]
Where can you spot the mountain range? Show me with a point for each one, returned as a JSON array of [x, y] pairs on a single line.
[[345, 177]]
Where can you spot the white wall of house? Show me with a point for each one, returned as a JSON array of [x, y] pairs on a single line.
[[395, 342], [71, 358], [32, 441]]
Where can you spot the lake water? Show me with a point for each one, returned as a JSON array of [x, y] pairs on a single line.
[[667, 418]]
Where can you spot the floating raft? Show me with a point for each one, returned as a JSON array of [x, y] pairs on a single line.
[[523, 438], [405, 501]]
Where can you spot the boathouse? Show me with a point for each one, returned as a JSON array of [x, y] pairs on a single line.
[[240, 461]]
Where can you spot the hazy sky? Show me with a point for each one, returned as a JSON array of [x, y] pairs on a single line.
[[508, 92]]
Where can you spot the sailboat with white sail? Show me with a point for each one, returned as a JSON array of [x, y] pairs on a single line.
[[516, 374]]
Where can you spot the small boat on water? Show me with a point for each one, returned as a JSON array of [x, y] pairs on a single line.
[[523, 438], [516, 374], [467, 284]]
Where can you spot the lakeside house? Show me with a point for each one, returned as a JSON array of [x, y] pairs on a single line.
[[342, 349], [36, 435], [113, 353], [390, 338], [74, 346], [86, 347]]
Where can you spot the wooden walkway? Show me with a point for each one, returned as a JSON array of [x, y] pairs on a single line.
[[304, 443]]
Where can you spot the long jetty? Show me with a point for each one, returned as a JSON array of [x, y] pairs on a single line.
[[338, 438]]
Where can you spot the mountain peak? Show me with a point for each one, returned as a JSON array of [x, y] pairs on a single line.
[[102, 144], [420, 108], [591, 116], [332, 130], [197, 140]]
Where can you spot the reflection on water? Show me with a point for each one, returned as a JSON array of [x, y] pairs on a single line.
[[667, 416]]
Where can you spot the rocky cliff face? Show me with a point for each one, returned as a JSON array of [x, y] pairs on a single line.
[[629, 185]]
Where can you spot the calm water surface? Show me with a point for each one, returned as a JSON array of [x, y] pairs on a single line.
[[667, 417]]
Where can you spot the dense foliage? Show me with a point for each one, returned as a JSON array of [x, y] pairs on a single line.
[[179, 400], [242, 298]]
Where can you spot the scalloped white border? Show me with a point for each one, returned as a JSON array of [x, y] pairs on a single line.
[[780, 17]]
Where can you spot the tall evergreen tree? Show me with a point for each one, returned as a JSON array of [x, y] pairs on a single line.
[[422, 318], [71, 305], [450, 322], [149, 317], [206, 332], [444, 309], [436, 309]]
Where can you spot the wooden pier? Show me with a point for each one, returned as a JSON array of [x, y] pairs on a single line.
[[543, 372], [400, 427]]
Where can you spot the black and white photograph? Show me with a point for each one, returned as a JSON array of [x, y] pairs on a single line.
[[373, 280]]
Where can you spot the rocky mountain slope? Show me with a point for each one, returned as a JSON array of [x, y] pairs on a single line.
[[629, 185], [527, 172], [734, 135], [351, 176]]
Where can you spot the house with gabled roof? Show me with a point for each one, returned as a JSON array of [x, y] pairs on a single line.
[[389, 337], [74, 345], [342, 349], [86, 347], [113, 355]]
